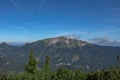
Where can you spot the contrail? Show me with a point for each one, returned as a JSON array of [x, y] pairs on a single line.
[[41, 5], [18, 6]]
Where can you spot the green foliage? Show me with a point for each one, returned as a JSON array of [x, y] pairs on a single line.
[[108, 74], [64, 74], [79, 75], [31, 67], [46, 71]]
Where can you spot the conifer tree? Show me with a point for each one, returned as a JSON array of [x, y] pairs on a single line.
[[31, 67], [47, 69]]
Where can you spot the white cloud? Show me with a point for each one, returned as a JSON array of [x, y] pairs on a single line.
[[106, 41], [72, 33]]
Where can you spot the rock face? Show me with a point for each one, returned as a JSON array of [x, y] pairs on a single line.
[[66, 52]]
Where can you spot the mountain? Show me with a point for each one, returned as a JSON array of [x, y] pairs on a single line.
[[7, 53], [66, 52]]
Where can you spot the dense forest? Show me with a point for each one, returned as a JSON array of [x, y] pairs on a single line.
[[31, 72]]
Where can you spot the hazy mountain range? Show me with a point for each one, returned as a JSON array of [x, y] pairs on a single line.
[[66, 52]]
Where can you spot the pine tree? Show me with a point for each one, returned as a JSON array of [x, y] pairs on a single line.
[[31, 67], [47, 69]]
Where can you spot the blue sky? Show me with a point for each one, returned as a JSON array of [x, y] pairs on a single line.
[[29, 20]]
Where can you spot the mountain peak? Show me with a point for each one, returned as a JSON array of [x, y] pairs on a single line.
[[61, 41], [65, 40], [3, 43], [67, 37]]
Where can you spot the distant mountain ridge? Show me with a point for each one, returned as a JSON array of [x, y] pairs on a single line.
[[16, 43], [66, 52]]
